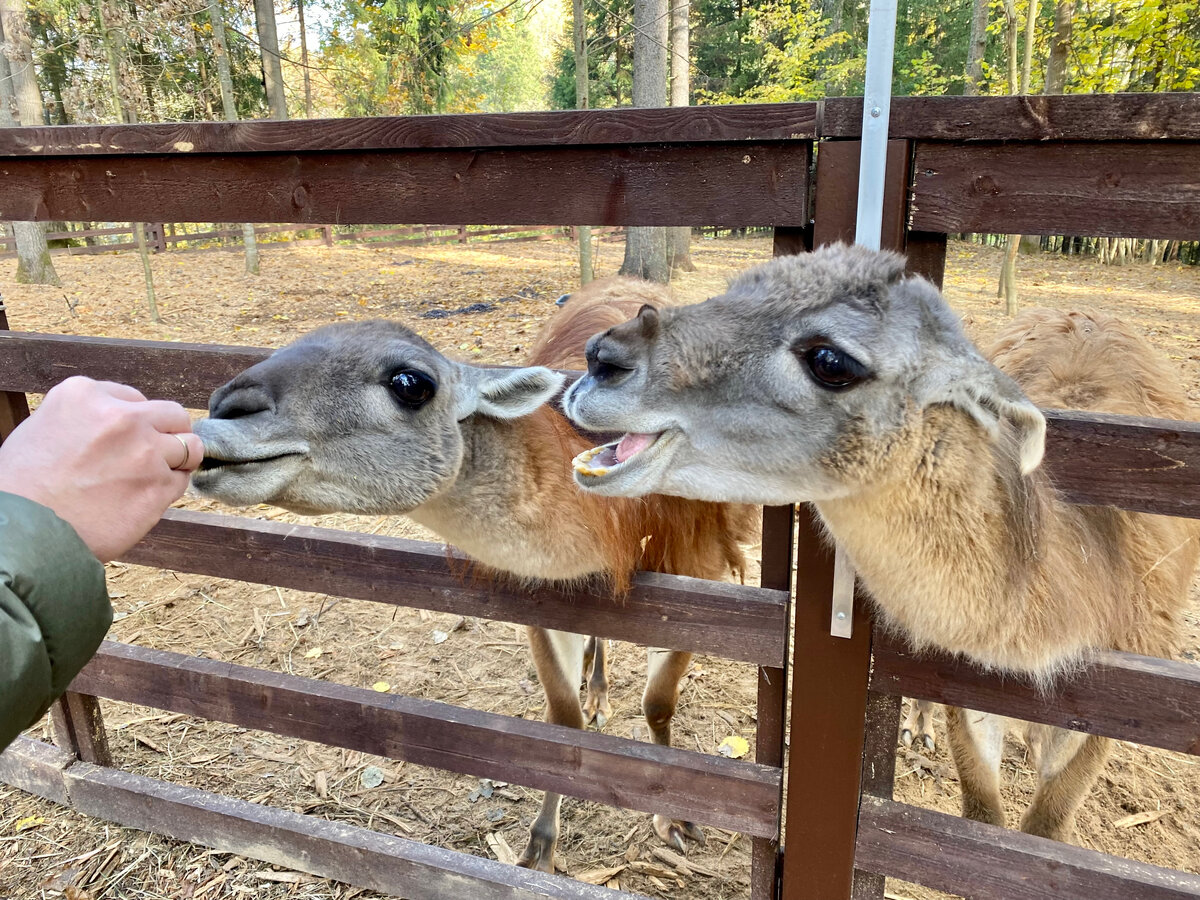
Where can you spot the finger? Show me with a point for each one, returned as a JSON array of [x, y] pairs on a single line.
[[165, 416], [120, 391], [182, 452]]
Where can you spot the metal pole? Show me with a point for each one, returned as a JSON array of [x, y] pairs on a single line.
[[877, 105]]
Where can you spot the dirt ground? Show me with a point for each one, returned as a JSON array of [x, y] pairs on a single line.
[[46, 851]]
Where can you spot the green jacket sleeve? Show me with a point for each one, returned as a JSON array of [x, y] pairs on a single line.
[[54, 611]]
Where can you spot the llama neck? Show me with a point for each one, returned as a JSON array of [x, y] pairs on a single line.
[[514, 506], [958, 554]]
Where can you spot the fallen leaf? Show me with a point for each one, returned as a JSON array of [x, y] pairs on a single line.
[[27, 823], [735, 747], [371, 777], [439, 637], [314, 653], [382, 686], [1141, 818]]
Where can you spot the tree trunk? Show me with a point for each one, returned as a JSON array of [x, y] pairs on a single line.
[[976, 48], [679, 238], [304, 61], [8, 98], [1060, 47], [139, 232], [221, 52], [268, 42], [33, 254], [1010, 39], [1031, 15], [646, 248], [587, 268]]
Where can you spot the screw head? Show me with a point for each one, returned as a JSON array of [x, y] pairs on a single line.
[[876, 112], [841, 616]]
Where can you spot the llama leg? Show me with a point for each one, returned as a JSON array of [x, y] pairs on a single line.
[[977, 742], [596, 707], [664, 669], [918, 725], [558, 657], [1068, 764]]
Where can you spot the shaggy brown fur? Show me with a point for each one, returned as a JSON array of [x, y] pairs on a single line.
[[655, 533]]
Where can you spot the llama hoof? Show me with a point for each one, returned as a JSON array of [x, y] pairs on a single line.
[[597, 711], [906, 737], [673, 831], [929, 742], [538, 855]]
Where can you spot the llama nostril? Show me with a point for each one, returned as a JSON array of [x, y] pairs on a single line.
[[239, 403]]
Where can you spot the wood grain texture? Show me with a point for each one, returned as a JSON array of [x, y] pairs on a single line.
[[297, 842], [1117, 189], [1078, 117], [78, 727], [762, 122], [1140, 464], [1134, 698], [728, 793], [36, 768], [734, 621], [732, 184], [829, 695], [186, 373], [984, 862]]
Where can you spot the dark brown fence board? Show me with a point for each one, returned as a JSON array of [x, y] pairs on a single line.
[[1094, 117], [1115, 189], [1134, 698], [186, 373], [36, 768], [984, 862], [728, 793], [762, 122], [658, 184], [1144, 465], [734, 621], [298, 842]]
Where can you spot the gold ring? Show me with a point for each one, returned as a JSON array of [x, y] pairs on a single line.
[[187, 453]]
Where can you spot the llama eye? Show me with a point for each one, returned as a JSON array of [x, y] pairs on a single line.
[[832, 368], [413, 388]]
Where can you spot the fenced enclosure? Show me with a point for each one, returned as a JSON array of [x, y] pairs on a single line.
[[1113, 166]]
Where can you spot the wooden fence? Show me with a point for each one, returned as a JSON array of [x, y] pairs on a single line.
[[162, 237], [1120, 165]]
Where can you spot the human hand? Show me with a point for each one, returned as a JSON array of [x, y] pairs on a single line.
[[104, 458]]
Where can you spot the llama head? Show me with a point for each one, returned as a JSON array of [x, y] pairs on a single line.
[[361, 417], [808, 379]]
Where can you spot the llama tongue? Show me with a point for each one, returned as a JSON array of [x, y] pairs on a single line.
[[632, 444]]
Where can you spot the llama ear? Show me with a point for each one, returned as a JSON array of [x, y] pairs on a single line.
[[509, 393], [993, 400]]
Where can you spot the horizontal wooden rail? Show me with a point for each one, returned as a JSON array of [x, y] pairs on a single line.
[[1145, 189], [763, 122], [1134, 698], [731, 794], [1145, 465], [346, 853], [748, 183], [984, 862], [730, 620], [1077, 117]]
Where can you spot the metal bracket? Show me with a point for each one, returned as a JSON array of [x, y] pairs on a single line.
[[841, 623]]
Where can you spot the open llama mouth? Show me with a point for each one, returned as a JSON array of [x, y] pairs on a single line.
[[608, 458], [213, 462]]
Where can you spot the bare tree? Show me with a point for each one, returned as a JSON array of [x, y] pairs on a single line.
[[8, 108], [976, 47], [304, 61], [646, 248], [33, 254], [587, 268], [268, 42], [216, 19], [679, 239]]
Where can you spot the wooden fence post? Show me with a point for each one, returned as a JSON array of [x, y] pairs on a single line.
[[327, 233], [75, 718]]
